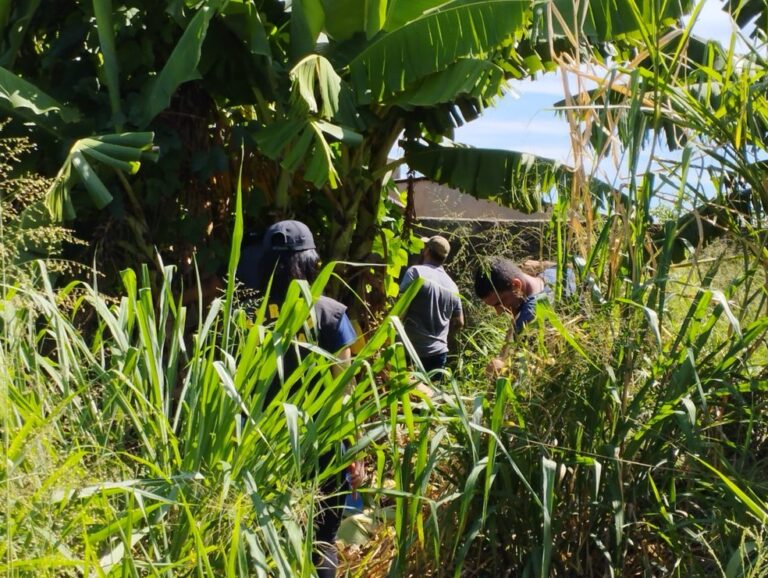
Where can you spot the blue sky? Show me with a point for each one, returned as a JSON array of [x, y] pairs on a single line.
[[524, 121]]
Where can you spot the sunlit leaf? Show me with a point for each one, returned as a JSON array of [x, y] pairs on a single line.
[[433, 42], [180, 67], [20, 94]]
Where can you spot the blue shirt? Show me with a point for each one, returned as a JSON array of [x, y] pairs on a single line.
[[344, 336], [334, 329], [527, 311]]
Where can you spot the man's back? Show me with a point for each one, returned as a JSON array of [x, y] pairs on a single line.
[[429, 314]]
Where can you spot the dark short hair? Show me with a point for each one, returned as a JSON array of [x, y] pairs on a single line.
[[439, 259], [495, 276]]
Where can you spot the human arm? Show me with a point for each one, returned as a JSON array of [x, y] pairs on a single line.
[[457, 319], [356, 474], [455, 325], [535, 266], [410, 275], [345, 358], [497, 365]]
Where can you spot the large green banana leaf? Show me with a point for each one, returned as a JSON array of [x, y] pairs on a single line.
[[467, 77], [301, 142], [315, 74], [180, 67], [242, 17], [514, 179], [603, 21], [401, 11], [24, 98], [307, 20], [392, 62], [102, 10], [431, 36], [345, 19], [518, 180], [349, 17]]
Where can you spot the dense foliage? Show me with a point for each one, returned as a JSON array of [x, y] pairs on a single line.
[[132, 449], [628, 436], [317, 93]]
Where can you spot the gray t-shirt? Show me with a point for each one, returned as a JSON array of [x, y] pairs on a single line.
[[430, 312]]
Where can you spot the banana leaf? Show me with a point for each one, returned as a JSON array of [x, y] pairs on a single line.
[[243, 19], [102, 10], [18, 95], [468, 76], [394, 61], [518, 180], [180, 67]]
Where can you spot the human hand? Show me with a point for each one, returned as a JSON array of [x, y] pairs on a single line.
[[495, 367], [356, 474]]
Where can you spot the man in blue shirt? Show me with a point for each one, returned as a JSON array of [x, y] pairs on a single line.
[[505, 287]]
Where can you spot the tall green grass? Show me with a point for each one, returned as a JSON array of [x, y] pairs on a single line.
[[133, 447], [627, 439], [621, 442]]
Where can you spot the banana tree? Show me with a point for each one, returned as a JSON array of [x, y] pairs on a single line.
[[318, 91], [88, 83], [416, 71]]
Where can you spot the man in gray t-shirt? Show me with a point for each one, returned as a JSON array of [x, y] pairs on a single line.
[[436, 307]]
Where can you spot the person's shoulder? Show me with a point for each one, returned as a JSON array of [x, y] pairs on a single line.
[[330, 303], [334, 326], [448, 281], [329, 311], [411, 273]]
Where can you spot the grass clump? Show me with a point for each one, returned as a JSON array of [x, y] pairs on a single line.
[[26, 229]]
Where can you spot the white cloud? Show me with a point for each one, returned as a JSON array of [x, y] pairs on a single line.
[[555, 152], [532, 127], [713, 23], [550, 84]]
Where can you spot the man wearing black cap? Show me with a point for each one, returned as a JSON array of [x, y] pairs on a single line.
[[436, 308]]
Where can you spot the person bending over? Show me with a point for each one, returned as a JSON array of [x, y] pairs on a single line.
[[509, 290]]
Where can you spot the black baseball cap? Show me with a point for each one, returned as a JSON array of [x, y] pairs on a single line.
[[291, 236]]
